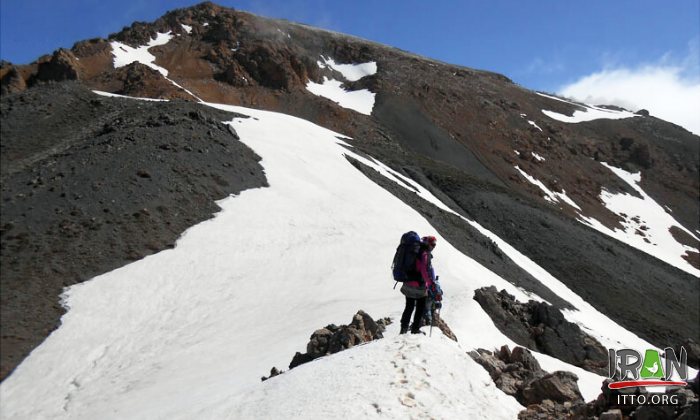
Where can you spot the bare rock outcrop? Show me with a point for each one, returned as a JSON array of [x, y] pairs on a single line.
[[542, 327], [333, 339], [63, 65], [11, 81]]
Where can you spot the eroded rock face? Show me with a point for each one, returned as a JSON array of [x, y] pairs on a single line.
[[63, 65], [10, 79], [542, 327]]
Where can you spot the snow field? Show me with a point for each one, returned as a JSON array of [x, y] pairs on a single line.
[[180, 333], [188, 332], [351, 72]]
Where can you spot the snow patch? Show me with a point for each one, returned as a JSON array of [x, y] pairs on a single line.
[[351, 72], [538, 157], [532, 123], [125, 55], [590, 113], [645, 223], [187, 28], [361, 100], [551, 196], [114, 95]]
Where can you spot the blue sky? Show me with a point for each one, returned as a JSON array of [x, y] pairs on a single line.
[[547, 45]]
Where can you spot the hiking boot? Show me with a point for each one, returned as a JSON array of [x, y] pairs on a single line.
[[404, 330], [417, 332]]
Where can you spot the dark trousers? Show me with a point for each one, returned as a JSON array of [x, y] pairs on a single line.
[[419, 305]]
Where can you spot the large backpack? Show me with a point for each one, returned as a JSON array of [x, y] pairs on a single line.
[[405, 256]]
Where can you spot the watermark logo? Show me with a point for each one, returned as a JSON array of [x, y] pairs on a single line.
[[633, 370]]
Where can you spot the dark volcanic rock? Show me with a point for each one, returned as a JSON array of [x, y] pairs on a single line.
[[91, 183], [518, 373], [693, 350], [542, 327], [559, 387]]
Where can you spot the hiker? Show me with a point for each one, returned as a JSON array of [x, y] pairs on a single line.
[[415, 288]]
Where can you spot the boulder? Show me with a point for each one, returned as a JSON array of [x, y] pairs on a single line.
[[511, 371], [559, 386]]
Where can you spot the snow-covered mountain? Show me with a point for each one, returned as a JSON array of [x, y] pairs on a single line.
[[205, 235]]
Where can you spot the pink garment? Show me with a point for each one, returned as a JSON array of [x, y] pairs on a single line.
[[422, 267]]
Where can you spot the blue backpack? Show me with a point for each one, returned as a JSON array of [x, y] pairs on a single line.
[[405, 256]]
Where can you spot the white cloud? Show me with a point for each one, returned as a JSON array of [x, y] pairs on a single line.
[[668, 91]]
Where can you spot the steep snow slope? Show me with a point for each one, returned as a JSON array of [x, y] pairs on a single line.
[[189, 331]]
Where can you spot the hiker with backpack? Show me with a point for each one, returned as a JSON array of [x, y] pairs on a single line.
[[412, 266]]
